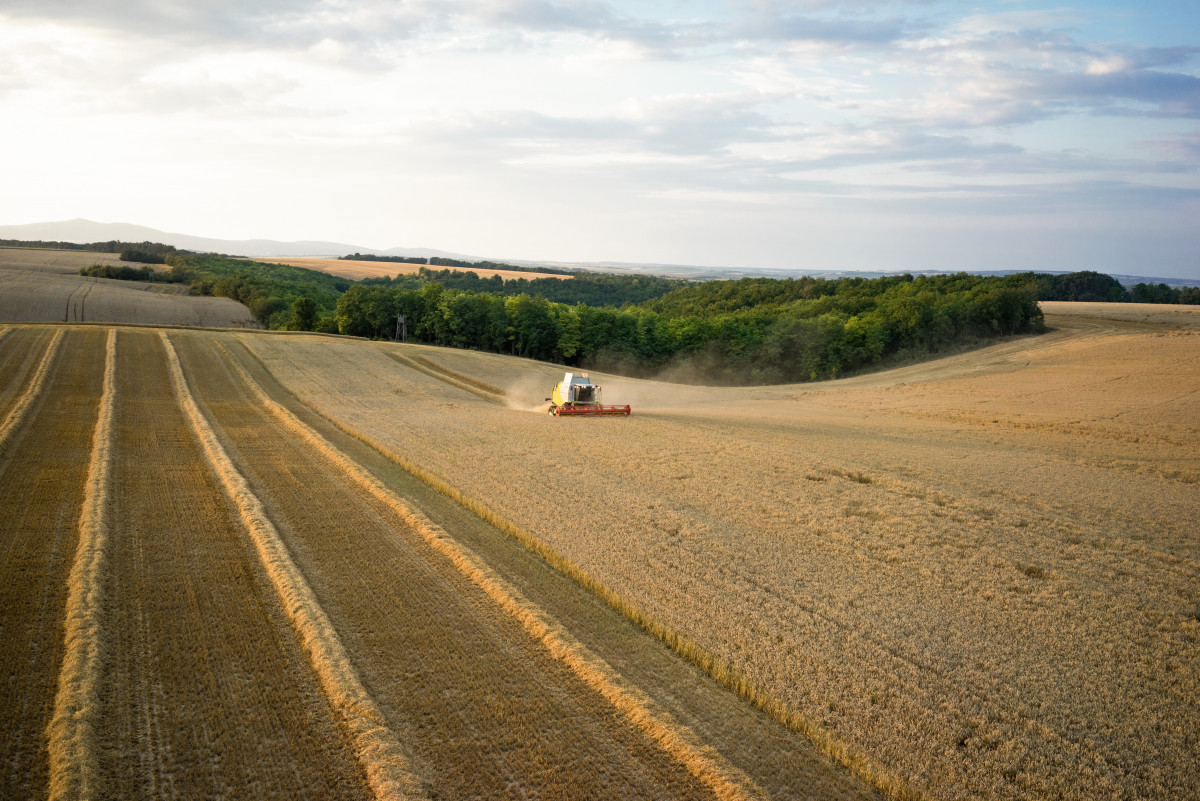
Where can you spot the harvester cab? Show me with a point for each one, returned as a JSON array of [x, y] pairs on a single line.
[[577, 395]]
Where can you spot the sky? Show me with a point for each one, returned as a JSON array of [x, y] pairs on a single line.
[[857, 135]]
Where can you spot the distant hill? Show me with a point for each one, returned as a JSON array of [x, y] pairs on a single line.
[[88, 231]]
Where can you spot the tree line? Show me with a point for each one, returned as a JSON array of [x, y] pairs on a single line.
[[591, 289], [847, 325], [1092, 286]]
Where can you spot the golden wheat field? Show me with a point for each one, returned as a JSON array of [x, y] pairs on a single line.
[[355, 269], [45, 286], [250, 564], [975, 577], [211, 591]]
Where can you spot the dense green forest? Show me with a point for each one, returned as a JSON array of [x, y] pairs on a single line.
[[748, 331], [270, 291], [590, 289], [1093, 286]]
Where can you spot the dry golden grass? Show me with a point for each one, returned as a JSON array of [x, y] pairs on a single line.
[[974, 577], [377, 748], [349, 268], [36, 286]]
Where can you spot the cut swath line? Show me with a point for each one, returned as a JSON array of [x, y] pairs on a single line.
[[446, 376], [21, 407], [705, 763], [72, 731], [377, 748]]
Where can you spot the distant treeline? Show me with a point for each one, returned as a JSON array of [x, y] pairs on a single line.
[[120, 271], [438, 261], [394, 259], [748, 331], [144, 252], [1093, 286], [592, 289]]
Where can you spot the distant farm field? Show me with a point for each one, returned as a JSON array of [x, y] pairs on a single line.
[[357, 270], [42, 286], [254, 565]]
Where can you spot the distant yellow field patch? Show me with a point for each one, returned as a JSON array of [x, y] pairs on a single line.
[[375, 269]]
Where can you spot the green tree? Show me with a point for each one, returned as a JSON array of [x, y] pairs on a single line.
[[304, 313]]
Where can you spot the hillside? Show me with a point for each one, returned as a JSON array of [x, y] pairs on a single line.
[[45, 286]]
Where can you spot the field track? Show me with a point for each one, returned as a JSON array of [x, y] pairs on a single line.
[[492, 710], [207, 692], [43, 470]]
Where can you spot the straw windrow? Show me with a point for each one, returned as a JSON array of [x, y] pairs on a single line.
[[72, 731], [21, 407]]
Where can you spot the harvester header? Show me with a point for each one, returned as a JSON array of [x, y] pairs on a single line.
[[577, 395]]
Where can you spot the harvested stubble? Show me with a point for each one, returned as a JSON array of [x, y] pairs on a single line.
[[494, 714], [43, 470], [204, 691], [979, 574], [374, 744], [31, 393], [32, 295], [706, 764], [20, 353], [65, 262]]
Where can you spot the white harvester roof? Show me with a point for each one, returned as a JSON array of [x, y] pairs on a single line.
[[577, 379]]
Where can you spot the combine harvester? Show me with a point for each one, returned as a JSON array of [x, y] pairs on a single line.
[[575, 394]]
